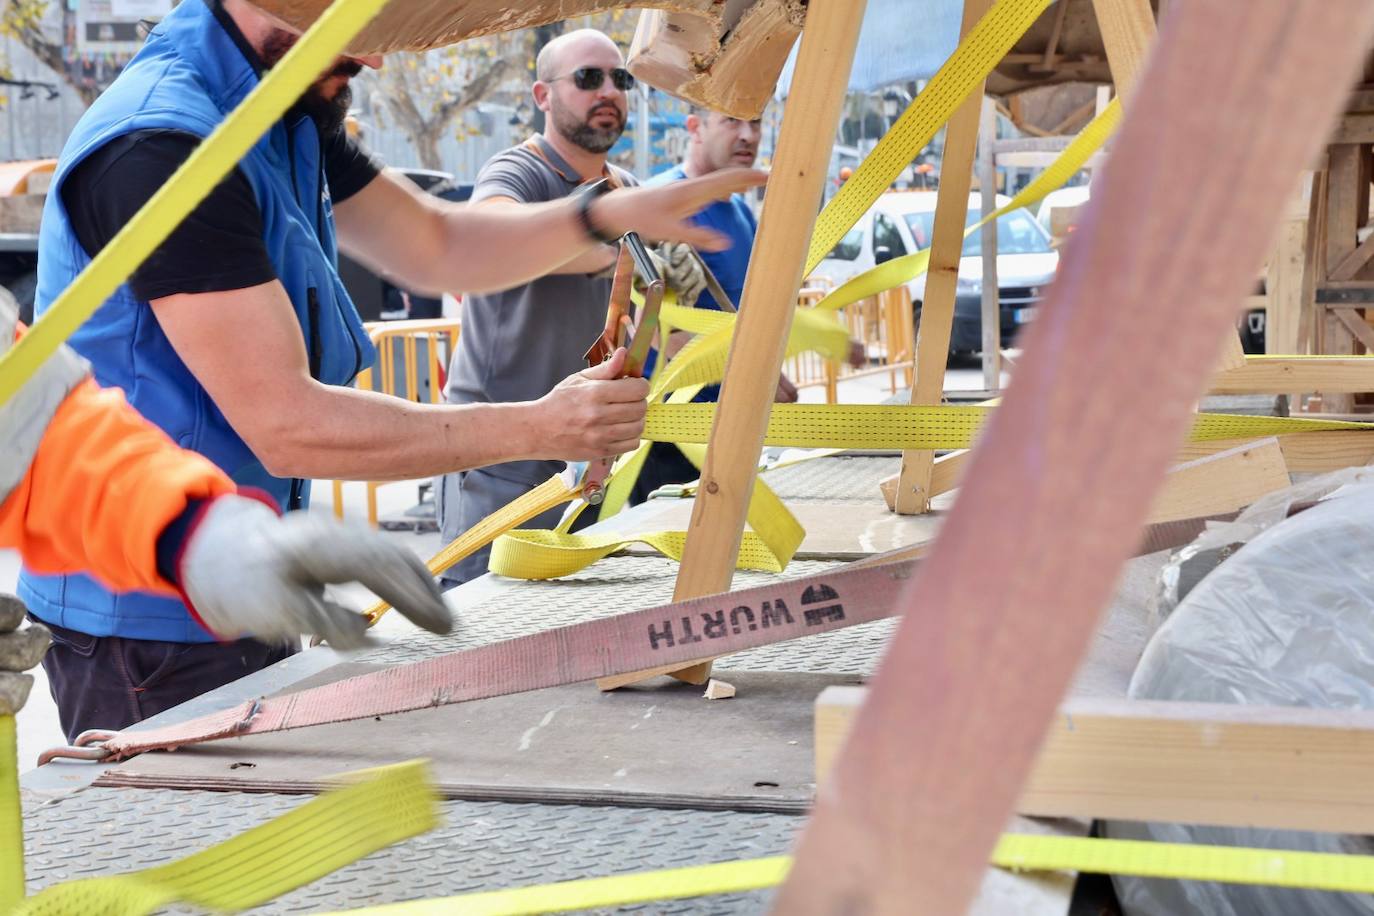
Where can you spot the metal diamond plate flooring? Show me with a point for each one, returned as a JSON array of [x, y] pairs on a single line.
[[840, 477], [480, 845]]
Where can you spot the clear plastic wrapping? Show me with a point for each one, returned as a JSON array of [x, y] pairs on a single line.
[[1288, 620]]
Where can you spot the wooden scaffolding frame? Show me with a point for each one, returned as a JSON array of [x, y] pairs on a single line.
[[938, 753]]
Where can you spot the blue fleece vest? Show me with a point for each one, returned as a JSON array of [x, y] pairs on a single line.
[[187, 77]]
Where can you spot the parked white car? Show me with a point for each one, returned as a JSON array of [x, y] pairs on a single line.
[[1062, 199], [901, 222]]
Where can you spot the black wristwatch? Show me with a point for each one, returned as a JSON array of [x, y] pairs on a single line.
[[585, 195]]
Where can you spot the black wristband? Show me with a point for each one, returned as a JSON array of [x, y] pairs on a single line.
[[586, 195]]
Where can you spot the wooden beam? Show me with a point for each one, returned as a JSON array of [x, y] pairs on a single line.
[[1341, 216], [1354, 128], [1052, 43], [1279, 375], [1128, 31], [1359, 328], [1191, 763], [1350, 265], [1210, 483], [1220, 483], [1314, 260], [947, 245], [765, 315], [1232, 354], [1283, 305], [1306, 453], [1029, 555]]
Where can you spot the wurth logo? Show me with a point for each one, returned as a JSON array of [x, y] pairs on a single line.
[[820, 606]]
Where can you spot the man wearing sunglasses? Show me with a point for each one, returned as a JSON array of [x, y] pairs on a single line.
[[518, 343]]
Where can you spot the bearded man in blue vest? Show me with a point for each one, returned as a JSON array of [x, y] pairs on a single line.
[[237, 337]]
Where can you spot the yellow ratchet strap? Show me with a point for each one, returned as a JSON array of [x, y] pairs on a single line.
[[901, 426], [704, 360], [533, 554], [11, 819], [908, 267], [336, 829], [986, 44], [1014, 852], [188, 186]]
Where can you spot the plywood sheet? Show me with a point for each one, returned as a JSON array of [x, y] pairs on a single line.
[[663, 745]]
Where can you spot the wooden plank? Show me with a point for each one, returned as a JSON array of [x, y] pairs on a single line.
[[1306, 453], [1192, 763], [1350, 265], [1354, 322], [1341, 222], [1014, 585], [1277, 375], [1341, 218], [1128, 30], [1220, 483], [937, 309], [1232, 354], [946, 472], [1361, 99], [1283, 284], [1314, 264], [765, 315], [1052, 43], [1354, 128]]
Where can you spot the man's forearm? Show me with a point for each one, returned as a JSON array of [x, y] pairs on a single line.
[[504, 246], [600, 258], [347, 434]]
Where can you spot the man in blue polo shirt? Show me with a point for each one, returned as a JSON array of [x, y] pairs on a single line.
[[717, 141]]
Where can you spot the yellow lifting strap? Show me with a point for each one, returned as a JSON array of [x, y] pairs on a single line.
[[1014, 852], [902, 426], [11, 819], [986, 44], [338, 828]]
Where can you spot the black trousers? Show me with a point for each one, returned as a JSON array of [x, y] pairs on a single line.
[[112, 682]]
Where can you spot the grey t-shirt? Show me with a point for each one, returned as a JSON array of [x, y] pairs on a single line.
[[516, 345]]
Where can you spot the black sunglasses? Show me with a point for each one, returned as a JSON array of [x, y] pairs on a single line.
[[591, 78]]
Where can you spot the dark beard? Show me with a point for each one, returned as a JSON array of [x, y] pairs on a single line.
[[583, 135], [327, 113]]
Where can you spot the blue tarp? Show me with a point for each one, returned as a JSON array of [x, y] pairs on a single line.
[[900, 40]]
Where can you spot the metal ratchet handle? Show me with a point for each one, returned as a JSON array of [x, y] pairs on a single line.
[[594, 480], [643, 261]]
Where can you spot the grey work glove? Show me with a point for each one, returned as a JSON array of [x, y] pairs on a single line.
[[247, 571], [19, 651], [681, 271]]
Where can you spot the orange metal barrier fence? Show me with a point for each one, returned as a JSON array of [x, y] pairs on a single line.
[[881, 323], [412, 362]]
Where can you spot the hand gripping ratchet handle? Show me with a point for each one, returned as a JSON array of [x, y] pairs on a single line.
[[621, 330]]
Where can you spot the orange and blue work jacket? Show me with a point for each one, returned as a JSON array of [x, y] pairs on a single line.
[[87, 484]]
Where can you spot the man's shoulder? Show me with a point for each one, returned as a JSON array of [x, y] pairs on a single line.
[[668, 176]]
